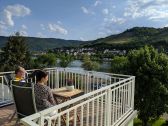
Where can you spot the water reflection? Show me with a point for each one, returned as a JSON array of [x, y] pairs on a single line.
[[77, 64]]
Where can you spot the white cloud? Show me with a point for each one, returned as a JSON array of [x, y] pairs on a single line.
[[97, 3], [41, 35], [7, 15], [166, 25], [82, 39], [105, 11], [118, 20], [86, 11], [111, 25], [2, 26], [24, 27], [18, 10], [152, 9], [23, 33], [57, 28], [2, 23], [22, 30], [3, 29], [114, 20], [7, 18], [14, 10]]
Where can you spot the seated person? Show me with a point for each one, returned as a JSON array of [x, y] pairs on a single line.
[[43, 94], [19, 79], [20, 74]]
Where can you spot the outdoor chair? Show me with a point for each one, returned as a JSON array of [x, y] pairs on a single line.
[[7, 81], [24, 99], [95, 86]]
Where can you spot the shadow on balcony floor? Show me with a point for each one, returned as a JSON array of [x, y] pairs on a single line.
[[5, 112]]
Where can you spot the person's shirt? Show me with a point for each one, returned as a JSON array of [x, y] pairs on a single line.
[[19, 81], [43, 97]]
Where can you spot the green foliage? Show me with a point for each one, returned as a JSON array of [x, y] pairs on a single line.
[[151, 71], [151, 90], [86, 57], [119, 64], [15, 53], [65, 60], [159, 122], [90, 65], [45, 60]]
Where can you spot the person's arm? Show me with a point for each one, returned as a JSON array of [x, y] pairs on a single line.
[[47, 103], [50, 97], [49, 100]]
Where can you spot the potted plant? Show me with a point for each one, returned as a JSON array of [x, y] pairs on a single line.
[[70, 85]]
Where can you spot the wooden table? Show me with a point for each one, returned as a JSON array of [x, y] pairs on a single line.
[[64, 94]]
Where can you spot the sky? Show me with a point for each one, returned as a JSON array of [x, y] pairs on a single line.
[[79, 19]]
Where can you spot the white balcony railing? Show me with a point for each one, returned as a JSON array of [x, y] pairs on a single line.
[[108, 99]]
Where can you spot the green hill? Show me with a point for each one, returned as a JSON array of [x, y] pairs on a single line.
[[44, 43], [133, 38]]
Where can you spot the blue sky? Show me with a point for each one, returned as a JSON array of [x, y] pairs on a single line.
[[79, 19]]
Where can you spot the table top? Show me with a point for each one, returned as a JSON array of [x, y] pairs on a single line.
[[63, 92]]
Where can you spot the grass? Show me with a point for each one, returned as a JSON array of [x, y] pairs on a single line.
[[159, 122]]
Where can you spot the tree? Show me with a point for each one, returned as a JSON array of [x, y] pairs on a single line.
[[88, 64], [45, 60], [151, 87], [151, 71], [119, 64], [15, 53], [65, 60]]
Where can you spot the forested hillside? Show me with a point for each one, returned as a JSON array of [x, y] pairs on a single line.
[[133, 38], [39, 44]]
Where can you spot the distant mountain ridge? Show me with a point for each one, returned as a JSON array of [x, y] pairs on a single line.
[[40, 44], [133, 38]]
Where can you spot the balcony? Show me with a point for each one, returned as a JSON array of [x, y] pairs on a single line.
[[108, 99]]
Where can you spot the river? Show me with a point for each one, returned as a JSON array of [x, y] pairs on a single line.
[[77, 64]]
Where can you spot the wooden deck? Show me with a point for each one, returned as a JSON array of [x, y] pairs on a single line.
[[5, 114]]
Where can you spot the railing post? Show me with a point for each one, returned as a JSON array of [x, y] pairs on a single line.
[[41, 119], [87, 83], [129, 94], [57, 78], [3, 92], [133, 90], [109, 102]]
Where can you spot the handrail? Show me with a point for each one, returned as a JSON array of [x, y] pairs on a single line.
[[114, 89]]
